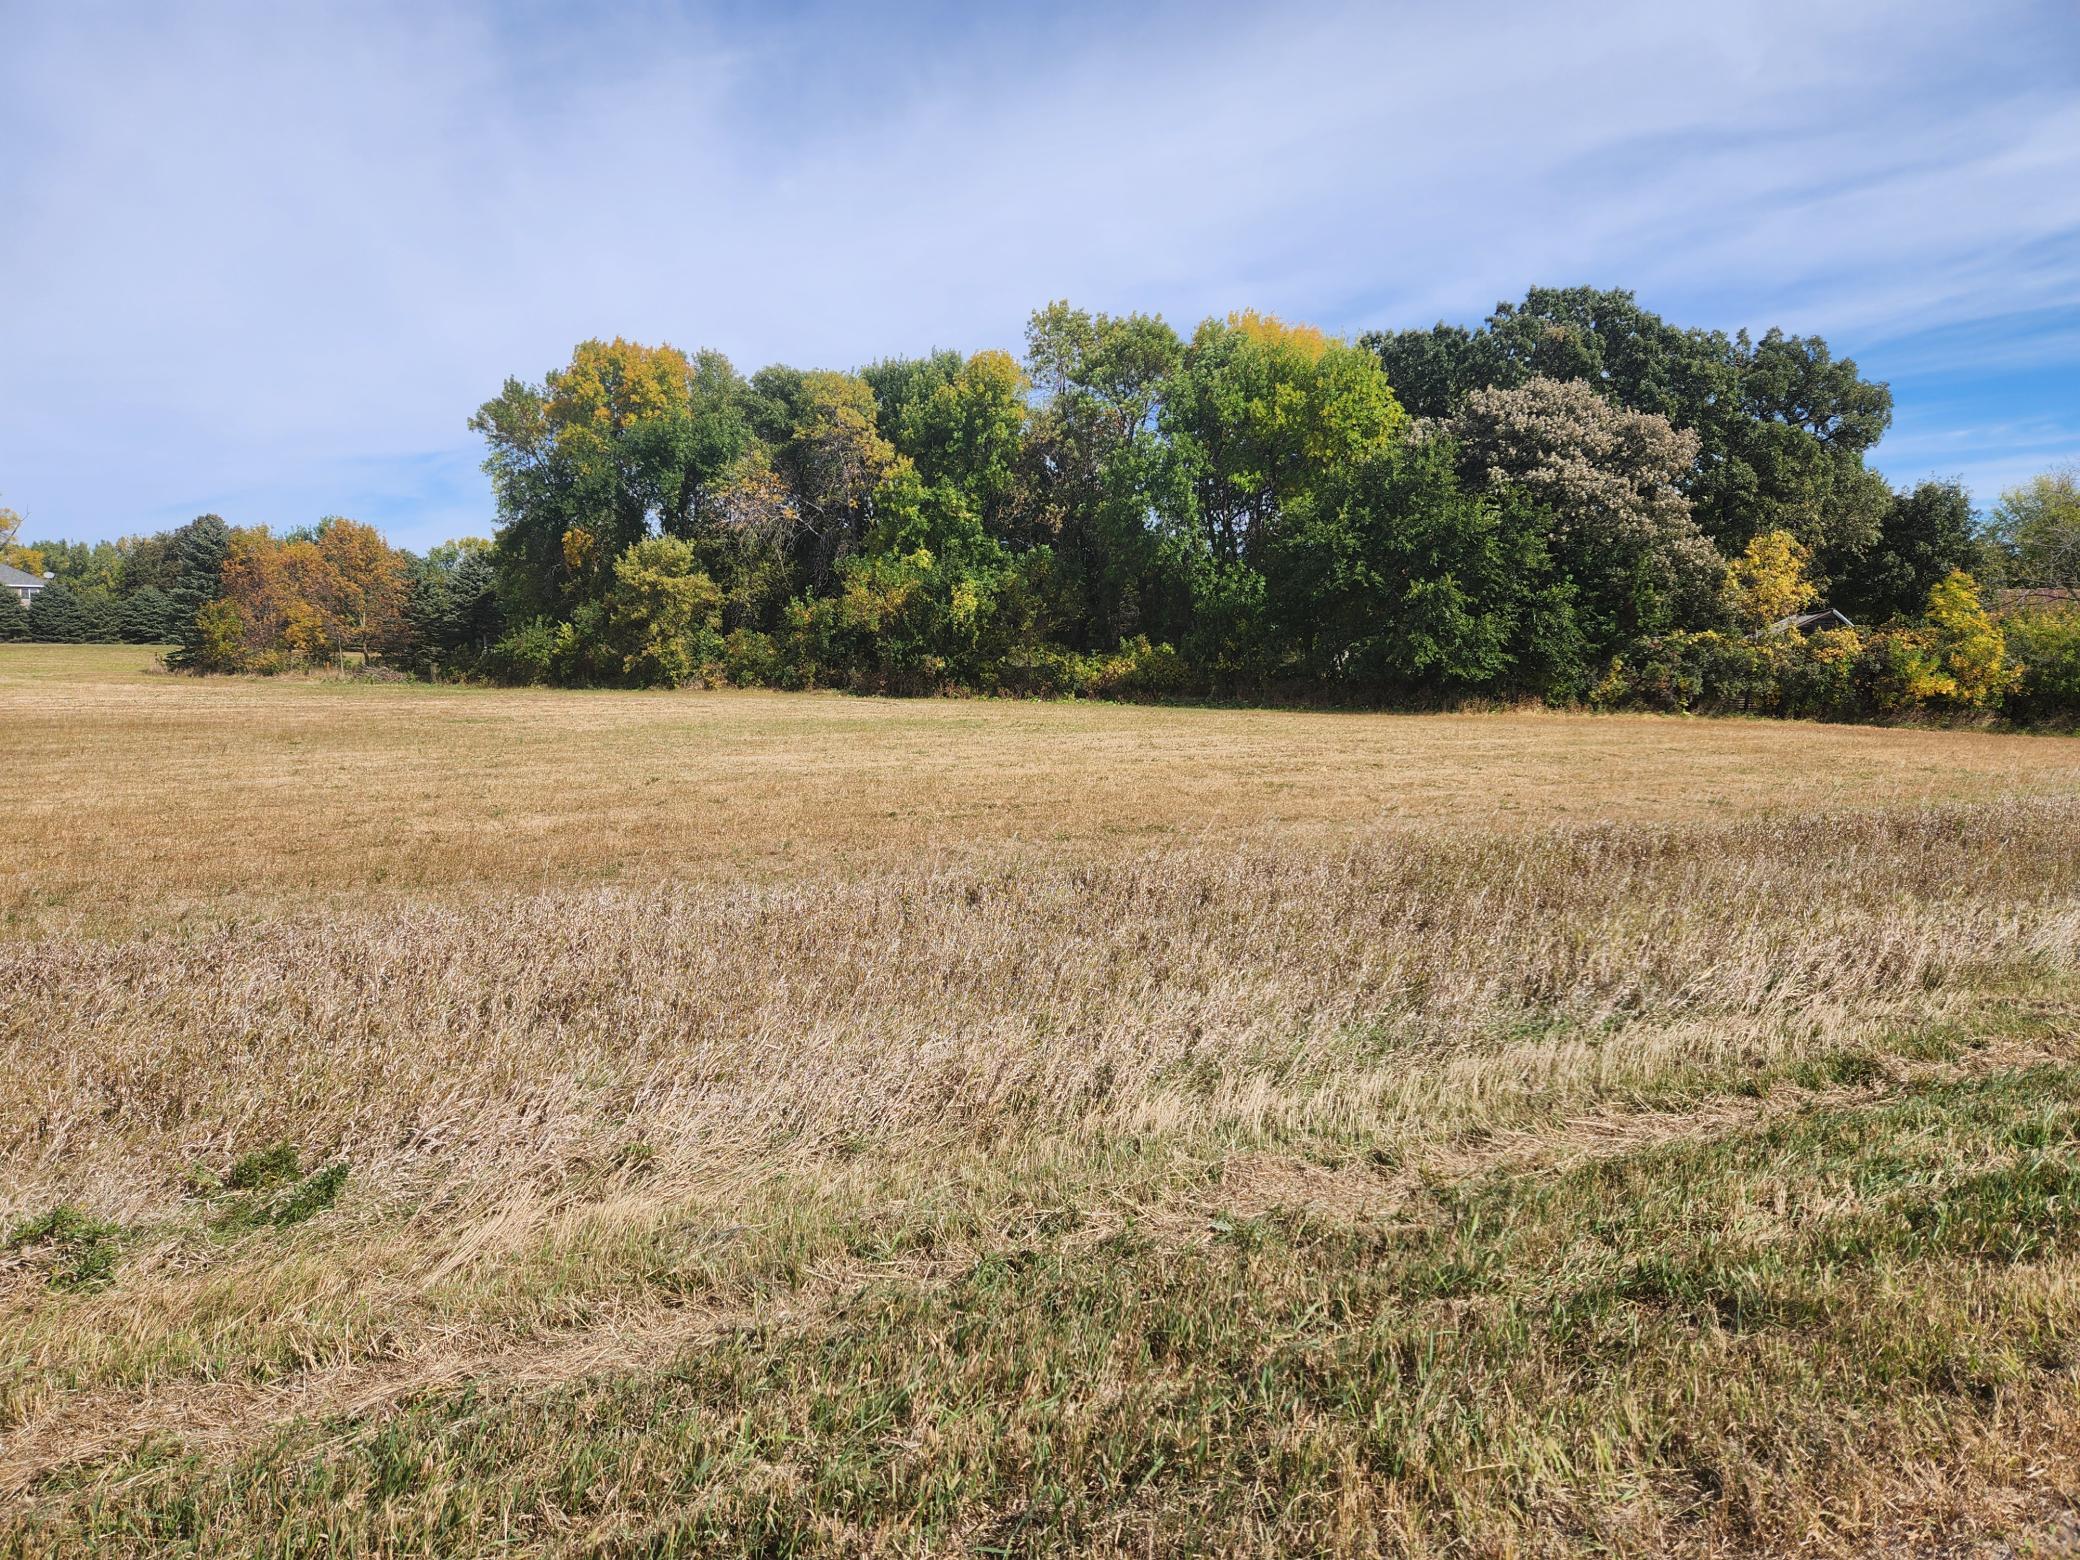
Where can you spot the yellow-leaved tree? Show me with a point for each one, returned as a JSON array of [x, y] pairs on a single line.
[[1971, 653], [1771, 580]]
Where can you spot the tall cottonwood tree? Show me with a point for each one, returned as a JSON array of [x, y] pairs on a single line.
[[622, 441]]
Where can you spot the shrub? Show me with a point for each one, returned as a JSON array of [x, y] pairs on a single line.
[[219, 642], [1818, 681], [1139, 668], [525, 654], [751, 659], [2045, 644], [1702, 671], [1900, 671]]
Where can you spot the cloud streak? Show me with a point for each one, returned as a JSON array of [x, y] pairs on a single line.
[[265, 259]]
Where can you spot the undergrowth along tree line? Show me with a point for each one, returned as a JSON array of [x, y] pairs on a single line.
[[1577, 502]]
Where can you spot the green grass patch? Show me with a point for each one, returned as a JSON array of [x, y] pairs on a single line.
[[84, 1249], [1714, 1343], [275, 1192]]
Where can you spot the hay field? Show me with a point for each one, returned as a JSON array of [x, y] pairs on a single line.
[[451, 1120]]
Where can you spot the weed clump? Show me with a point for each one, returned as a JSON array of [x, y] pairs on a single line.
[[85, 1247], [274, 1190], [263, 1169]]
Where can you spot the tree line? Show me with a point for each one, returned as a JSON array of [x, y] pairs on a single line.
[[1576, 501]]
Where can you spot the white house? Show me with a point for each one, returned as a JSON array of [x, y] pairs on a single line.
[[25, 586]]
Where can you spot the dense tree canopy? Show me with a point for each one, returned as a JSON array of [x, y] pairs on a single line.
[[1577, 500], [1782, 425], [1924, 535], [1608, 479]]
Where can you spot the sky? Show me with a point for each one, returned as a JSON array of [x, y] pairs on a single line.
[[265, 259]]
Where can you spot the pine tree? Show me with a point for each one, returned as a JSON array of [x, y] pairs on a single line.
[[14, 618], [478, 618], [198, 565], [54, 617], [429, 615], [145, 617]]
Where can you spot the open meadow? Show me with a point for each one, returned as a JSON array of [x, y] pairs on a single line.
[[452, 1120]]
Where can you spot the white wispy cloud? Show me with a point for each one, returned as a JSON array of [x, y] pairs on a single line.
[[255, 255]]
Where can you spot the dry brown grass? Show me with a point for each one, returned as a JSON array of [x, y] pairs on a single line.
[[1369, 1119], [148, 794]]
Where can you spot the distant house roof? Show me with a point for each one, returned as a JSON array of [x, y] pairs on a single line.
[[1809, 622], [20, 579]]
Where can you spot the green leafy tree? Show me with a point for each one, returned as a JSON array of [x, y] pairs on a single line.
[[1258, 414], [933, 600], [1093, 464], [217, 639], [1608, 478], [900, 385], [2045, 643], [146, 563], [1409, 582], [1260, 420], [14, 618], [1925, 534], [2034, 533], [833, 460], [663, 616], [622, 441], [968, 433], [1782, 425], [749, 546]]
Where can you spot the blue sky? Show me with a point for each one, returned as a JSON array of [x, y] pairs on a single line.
[[264, 259]]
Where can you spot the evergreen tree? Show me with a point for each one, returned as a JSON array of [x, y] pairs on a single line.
[[198, 580], [100, 621], [14, 618], [55, 617], [145, 617], [428, 616], [477, 617]]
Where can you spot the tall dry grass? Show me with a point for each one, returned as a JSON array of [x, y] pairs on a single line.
[[1403, 985], [1390, 1164]]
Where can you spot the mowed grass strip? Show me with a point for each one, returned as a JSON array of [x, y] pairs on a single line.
[[1819, 1334], [1485, 1179]]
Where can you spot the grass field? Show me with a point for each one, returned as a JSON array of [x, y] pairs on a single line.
[[452, 1120]]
